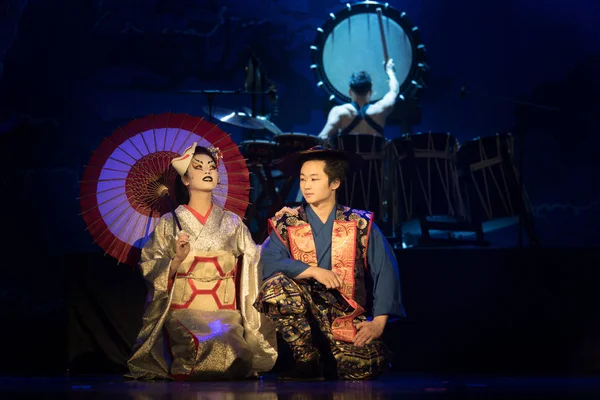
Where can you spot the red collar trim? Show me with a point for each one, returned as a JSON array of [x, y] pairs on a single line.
[[200, 217]]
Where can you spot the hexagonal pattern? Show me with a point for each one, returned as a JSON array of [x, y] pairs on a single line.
[[212, 291]]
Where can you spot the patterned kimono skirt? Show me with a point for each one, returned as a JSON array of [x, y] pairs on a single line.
[[303, 311]]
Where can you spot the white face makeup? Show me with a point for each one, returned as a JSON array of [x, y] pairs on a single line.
[[202, 173]]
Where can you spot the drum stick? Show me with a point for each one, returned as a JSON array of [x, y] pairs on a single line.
[[383, 42]]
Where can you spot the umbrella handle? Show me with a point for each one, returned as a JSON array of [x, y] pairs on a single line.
[[173, 212]]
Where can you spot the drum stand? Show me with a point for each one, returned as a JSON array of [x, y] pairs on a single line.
[[526, 219], [264, 174], [459, 224]]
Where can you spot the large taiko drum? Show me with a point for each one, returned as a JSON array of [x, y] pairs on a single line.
[[351, 41], [364, 188], [490, 179], [424, 177]]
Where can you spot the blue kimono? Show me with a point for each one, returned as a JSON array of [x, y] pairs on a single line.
[[383, 267], [293, 303]]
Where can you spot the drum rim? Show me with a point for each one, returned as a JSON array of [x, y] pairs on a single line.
[[474, 143], [353, 137], [408, 137], [380, 141], [261, 141], [359, 134], [495, 136], [414, 82], [294, 134]]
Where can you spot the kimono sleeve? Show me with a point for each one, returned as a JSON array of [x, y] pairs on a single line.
[[259, 332]]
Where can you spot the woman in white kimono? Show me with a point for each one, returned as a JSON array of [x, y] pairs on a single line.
[[201, 269]]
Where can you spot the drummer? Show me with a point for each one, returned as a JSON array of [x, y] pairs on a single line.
[[359, 116]]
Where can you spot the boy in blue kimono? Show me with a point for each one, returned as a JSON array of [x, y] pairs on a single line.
[[316, 263]]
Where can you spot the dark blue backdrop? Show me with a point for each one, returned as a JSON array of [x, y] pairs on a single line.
[[72, 71]]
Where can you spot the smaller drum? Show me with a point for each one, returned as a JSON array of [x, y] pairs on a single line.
[[486, 149], [424, 176], [259, 151], [291, 142], [489, 177], [364, 189]]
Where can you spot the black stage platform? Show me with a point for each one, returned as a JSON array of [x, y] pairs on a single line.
[[491, 313], [391, 386]]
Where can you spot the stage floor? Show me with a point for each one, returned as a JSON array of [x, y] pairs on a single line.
[[390, 386]]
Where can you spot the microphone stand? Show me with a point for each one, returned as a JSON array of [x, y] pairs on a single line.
[[521, 135]]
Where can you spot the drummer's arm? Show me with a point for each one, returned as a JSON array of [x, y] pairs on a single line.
[[387, 102], [332, 125]]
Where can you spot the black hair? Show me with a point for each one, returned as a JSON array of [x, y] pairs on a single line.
[[335, 167], [360, 83]]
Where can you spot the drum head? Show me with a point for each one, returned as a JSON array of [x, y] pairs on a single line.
[[352, 42]]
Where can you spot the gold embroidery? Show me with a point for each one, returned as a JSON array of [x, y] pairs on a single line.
[[349, 241], [302, 244], [343, 254], [292, 220], [362, 223]]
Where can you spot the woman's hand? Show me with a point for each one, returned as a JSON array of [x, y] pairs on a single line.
[[182, 246], [182, 249]]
